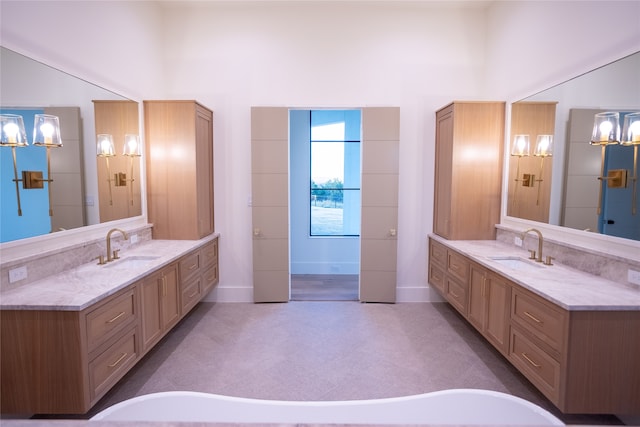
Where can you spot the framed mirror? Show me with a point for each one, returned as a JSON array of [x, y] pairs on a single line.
[[79, 196], [562, 187]]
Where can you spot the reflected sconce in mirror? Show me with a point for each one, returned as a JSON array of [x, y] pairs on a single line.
[[46, 133], [13, 134], [521, 148], [631, 136], [544, 148], [606, 131], [106, 149], [131, 149]]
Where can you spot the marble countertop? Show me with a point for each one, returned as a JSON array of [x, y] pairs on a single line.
[[567, 287], [79, 288]]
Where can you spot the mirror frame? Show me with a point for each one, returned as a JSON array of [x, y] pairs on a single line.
[[593, 242], [41, 245]]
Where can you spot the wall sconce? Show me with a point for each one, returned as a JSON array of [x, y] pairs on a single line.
[[13, 134], [106, 149], [606, 131], [520, 149], [631, 136], [544, 148], [131, 149], [46, 133]]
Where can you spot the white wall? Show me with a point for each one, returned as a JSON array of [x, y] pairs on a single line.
[[233, 55]]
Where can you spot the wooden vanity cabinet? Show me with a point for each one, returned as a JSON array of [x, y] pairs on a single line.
[[160, 299], [468, 186], [489, 302], [179, 188]]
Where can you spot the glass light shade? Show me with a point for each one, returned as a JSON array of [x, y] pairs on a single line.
[[132, 145], [606, 129], [46, 131], [105, 147], [521, 146], [631, 129], [544, 146], [12, 132]]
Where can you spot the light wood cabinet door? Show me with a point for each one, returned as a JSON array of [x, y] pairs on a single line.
[[468, 170], [179, 188], [160, 305]]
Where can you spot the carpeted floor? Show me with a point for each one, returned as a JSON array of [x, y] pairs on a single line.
[[325, 351]]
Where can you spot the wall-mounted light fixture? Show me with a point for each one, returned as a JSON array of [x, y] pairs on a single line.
[[46, 133], [131, 149], [544, 148], [106, 149], [606, 131], [13, 134], [520, 148], [631, 136]]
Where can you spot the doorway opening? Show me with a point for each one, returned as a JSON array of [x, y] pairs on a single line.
[[325, 204]]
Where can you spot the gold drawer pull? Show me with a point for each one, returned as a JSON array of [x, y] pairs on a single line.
[[531, 361], [532, 317], [454, 295], [193, 294], [193, 266], [116, 318], [120, 359]]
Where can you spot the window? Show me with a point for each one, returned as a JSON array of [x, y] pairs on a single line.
[[335, 173]]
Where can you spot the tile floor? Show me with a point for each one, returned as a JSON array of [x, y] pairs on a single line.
[[325, 351]]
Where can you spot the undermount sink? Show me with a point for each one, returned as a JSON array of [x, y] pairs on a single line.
[[133, 261], [514, 262]]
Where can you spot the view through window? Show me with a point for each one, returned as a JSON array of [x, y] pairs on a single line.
[[335, 172]]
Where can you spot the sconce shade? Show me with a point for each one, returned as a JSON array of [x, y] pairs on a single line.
[[132, 145], [46, 131], [606, 129], [105, 147], [544, 146], [521, 146], [631, 129], [12, 132]]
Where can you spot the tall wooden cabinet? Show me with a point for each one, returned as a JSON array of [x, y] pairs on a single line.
[[468, 170], [179, 140]]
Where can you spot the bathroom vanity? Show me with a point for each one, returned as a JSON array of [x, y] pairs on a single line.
[[575, 336], [67, 339]]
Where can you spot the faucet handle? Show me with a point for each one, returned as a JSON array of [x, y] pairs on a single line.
[[116, 254], [532, 254], [101, 260], [548, 261]]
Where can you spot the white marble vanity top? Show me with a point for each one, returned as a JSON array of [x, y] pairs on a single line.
[[567, 287], [78, 288]]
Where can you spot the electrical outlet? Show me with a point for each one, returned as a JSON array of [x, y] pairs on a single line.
[[133, 238], [518, 241], [633, 276], [16, 274]]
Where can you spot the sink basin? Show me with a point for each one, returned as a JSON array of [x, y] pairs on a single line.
[[133, 261], [514, 262]]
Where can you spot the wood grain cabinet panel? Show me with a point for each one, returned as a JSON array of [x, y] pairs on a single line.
[[160, 305]]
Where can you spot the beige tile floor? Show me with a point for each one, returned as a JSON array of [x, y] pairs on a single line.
[[325, 351]]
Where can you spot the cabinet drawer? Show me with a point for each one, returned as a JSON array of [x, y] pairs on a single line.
[[437, 253], [209, 279], [189, 265], [457, 295], [112, 364], [436, 278], [458, 266], [538, 366], [210, 254], [106, 320], [539, 318], [191, 295]]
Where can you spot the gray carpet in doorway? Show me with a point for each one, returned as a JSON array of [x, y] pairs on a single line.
[[326, 351]]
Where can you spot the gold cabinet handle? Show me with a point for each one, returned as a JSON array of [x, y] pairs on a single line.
[[534, 364], [193, 266], [211, 278], [164, 286], [532, 317], [116, 318], [484, 285], [120, 359], [193, 294], [454, 295]]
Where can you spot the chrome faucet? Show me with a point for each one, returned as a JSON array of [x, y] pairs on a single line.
[[540, 241], [110, 256]]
